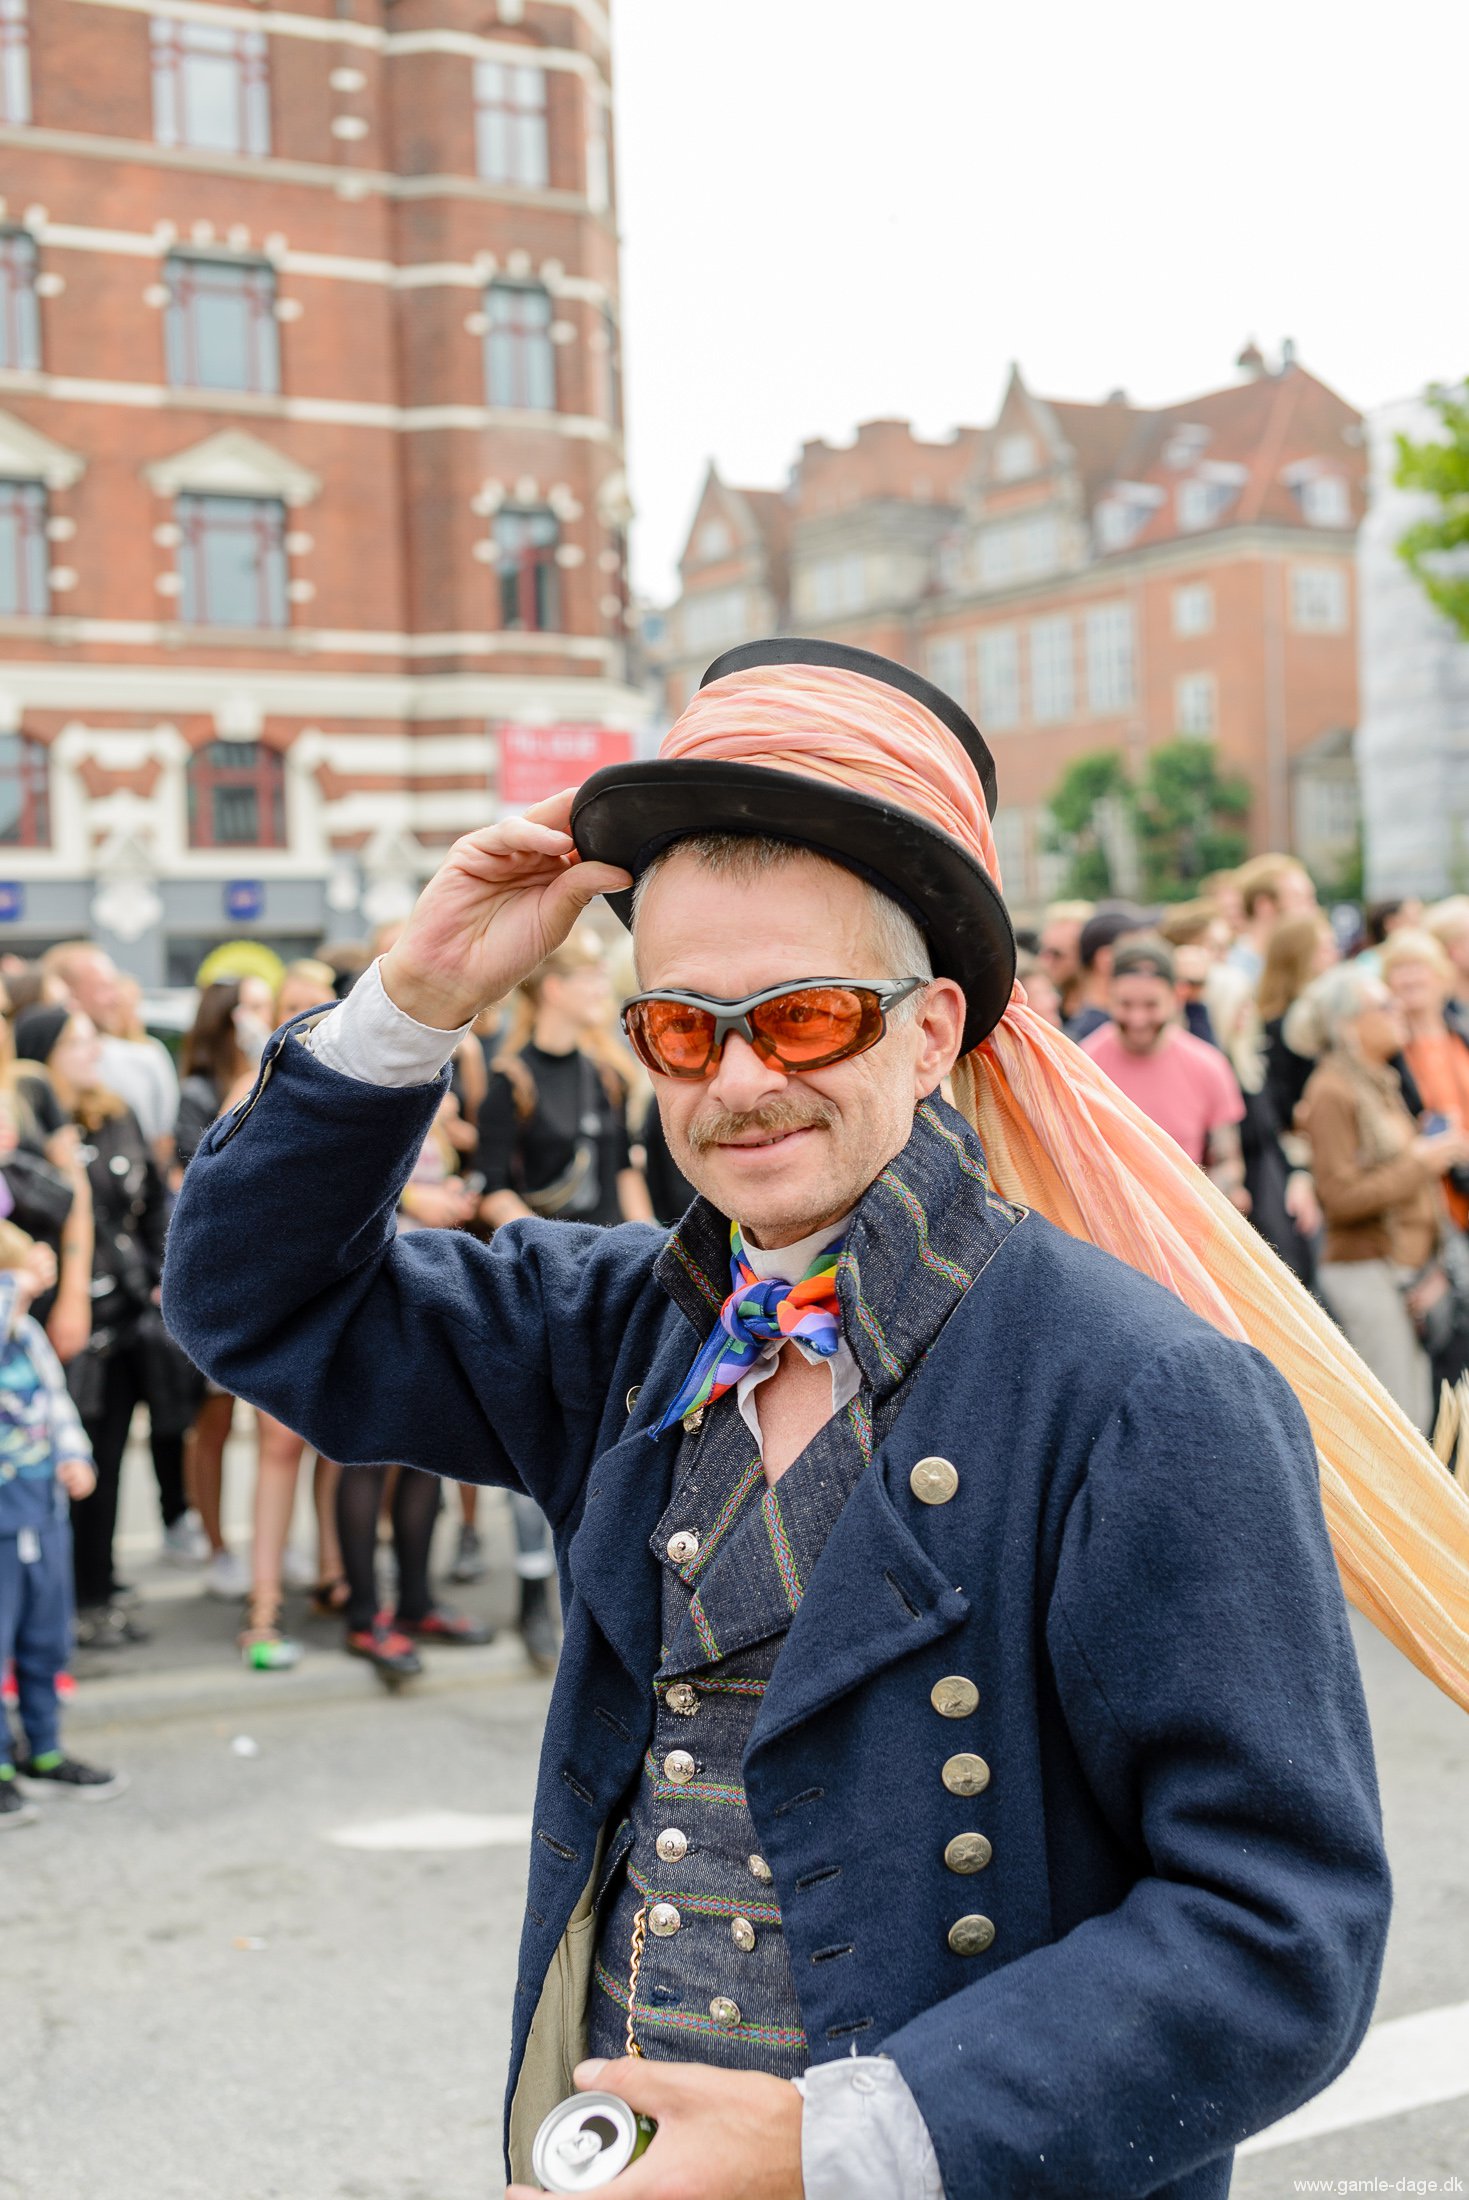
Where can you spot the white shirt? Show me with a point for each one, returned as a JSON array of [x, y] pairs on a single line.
[[863, 2136]]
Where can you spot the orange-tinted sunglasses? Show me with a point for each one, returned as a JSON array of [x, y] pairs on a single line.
[[801, 1026]]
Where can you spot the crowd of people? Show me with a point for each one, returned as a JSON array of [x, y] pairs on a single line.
[[1321, 1081], [98, 1121]]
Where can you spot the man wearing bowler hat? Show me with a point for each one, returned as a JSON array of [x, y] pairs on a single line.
[[956, 1779]]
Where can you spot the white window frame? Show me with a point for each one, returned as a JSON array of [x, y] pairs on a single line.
[[1052, 669], [950, 665], [1193, 608], [1321, 616], [1111, 659], [1196, 705], [1326, 501], [999, 678]]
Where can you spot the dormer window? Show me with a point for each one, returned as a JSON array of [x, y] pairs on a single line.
[[1124, 512], [1203, 501], [1015, 457]]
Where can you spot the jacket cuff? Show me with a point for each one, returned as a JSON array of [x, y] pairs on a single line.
[[863, 2136]]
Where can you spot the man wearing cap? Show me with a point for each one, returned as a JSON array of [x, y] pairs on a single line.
[[1181, 1083], [956, 1779]]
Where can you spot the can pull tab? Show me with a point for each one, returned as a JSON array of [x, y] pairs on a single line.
[[580, 2147]]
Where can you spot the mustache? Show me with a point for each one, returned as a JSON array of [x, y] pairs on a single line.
[[788, 1114]]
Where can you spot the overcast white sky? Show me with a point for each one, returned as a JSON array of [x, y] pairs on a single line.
[[834, 209]]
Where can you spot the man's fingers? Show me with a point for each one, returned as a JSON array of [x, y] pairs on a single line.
[[648, 2087]]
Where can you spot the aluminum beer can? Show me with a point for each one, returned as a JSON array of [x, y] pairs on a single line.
[[588, 2141]]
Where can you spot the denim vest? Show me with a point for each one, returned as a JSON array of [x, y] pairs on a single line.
[[684, 1881]]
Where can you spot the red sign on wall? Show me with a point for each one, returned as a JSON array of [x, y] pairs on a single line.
[[537, 761]]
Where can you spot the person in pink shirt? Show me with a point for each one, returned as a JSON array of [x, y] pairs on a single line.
[[1186, 1086]]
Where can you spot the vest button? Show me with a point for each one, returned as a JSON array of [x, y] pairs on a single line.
[[968, 1852], [633, 1395], [970, 1936], [954, 1697], [679, 1767], [683, 1546], [664, 1920], [760, 1870], [683, 1699], [726, 2013], [742, 1933], [672, 1846], [966, 1775], [934, 1481]]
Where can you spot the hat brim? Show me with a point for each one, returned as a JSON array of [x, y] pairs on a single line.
[[626, 814]]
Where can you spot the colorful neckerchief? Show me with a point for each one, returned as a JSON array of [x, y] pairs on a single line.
[[756, 1310]]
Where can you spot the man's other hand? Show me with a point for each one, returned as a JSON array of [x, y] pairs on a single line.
[[722, 2134], [502, 899]]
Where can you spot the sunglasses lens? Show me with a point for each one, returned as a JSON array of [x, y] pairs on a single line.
[[672, 1037], [818, 1023]]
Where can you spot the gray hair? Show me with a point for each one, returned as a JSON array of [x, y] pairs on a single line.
[[1338, 997], [895, 937]]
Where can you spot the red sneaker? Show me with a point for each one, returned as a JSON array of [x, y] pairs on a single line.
[[441, 1625], [391, 1655]]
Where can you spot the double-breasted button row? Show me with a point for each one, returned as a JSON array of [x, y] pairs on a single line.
[[934, 1481], [683, 1546]]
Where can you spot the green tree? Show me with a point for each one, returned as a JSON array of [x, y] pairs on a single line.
[[1189, 819], [1076, 825], [1434, 549]]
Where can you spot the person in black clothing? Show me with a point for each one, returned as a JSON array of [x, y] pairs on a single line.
[[553, 1140], [129, 1358]]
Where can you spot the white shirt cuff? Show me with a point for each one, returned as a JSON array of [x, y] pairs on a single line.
[[368, 1037], [863, 2136]]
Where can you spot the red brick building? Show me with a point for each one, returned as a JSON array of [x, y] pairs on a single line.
[[312, 501], [1083, 576]]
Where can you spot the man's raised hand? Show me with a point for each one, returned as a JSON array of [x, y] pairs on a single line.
[[503, 898]]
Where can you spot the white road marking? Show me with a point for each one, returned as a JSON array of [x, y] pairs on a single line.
[[1404, 2063], [435, 1829]]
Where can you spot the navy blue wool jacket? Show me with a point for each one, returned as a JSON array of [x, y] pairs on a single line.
[[1188, 1884]]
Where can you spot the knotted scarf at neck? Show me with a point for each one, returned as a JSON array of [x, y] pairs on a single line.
[[759, 1311]]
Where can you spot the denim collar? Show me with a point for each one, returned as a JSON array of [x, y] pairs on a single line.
[[922, 1233]]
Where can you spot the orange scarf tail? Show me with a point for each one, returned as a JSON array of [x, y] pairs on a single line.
[[1062, 1139]]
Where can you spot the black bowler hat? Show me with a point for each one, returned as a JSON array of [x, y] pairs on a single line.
[[626, 814]]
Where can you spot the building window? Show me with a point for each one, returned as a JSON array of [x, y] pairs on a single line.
[[520, 359], [23, 590], [1018, 550], [714, 619], [1318, 599], [210, 88], [1052, 672], [599, 165], [530, 580], [1014, 457], [948, 665], [237, 796], [999, 679], [830, 588], [1193, 704], [1326, 501], [220, 331], [1110, 674], [25, 792], [1012, 848], [1203, 502], [20, 325], [512, 144], [232, 561], [15, 63], [1193, 609]]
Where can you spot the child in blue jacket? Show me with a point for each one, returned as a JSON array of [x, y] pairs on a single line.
[[44, 1460]]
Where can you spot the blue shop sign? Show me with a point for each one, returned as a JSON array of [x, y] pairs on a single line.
[[12, 901], [244, 900]]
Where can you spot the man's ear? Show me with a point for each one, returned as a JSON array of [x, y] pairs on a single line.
[[940, 1023]]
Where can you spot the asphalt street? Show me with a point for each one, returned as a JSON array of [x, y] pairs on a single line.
[[280, 1967]]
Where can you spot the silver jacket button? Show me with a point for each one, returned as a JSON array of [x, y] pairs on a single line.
[[683, 1699], [934, 1481], [970, 1936], [664, 1920], [954, 1697], [726, 2013], [683, 1546], [672, 1845], [742, 1933], [760, 1870], [679, 1767]]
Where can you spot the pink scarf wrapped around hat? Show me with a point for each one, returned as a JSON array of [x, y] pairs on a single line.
[[1062, 1139]]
